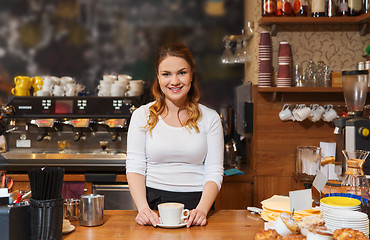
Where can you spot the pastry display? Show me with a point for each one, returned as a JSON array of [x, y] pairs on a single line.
[[348, 234], [267, 235]]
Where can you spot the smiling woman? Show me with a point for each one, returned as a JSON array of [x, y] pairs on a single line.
[[174, 144]]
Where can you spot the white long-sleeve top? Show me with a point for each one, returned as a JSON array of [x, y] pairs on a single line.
[[176, 158]]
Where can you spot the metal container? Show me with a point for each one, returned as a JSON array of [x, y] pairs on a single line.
[[91, 210]]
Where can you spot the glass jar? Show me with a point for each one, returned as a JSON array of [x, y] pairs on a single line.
[[318, 8], [286, 8], [269, 8], [342, 8], [354, 7], [300, 7]]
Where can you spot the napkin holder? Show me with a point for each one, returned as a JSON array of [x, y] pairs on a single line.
[[15, 222]]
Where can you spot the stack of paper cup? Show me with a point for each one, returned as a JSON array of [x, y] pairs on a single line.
[[265, 60], [135, 88], [285, 65]]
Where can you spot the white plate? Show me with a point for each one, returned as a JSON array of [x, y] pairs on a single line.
[[68, 228], [171, 226]]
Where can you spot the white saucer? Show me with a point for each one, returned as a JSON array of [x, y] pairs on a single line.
[[171, 226], [68, 228]]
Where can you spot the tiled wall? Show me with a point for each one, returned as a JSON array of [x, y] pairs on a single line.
[[339, 46]]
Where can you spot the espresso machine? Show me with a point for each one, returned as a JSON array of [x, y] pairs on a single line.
[[353, 130], [81, 134]]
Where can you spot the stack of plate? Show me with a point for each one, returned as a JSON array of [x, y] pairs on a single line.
[[337, 219], [344, 212], [339, 203]]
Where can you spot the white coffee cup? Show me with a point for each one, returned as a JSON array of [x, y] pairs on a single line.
[[104, 93], [295, 111], [286, 114], [109, 78], [329, 114], [64, 81], [58, 90], [316, 112], [136, 85], [42, 93], [124, 77], [49, 81], [117, 90], [172, 213], [303, 112], [133, 93]]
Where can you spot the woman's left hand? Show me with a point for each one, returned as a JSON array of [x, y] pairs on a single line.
[[196, 217]]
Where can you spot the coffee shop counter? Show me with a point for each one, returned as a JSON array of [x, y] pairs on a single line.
[[222, 224]]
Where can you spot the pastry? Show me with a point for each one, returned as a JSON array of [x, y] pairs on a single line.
[[267, 235], [309, 222], [348, 234], [286, 225], [295, 237], [319, 233]]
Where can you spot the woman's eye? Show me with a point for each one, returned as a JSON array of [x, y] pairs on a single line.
[[165, 74], [183, 72]]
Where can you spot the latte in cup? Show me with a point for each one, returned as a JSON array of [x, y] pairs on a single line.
[[172, 213]]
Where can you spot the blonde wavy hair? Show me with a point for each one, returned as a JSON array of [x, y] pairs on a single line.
[[191, 106]]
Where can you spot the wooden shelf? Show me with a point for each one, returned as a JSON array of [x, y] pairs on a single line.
[[361, 20], [364, 18], [300, 89]]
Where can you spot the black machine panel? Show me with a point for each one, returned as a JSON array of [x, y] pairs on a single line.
[[362, 140], [75, 107]]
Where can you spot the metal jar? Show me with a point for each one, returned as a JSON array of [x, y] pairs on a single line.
[[91, 210]]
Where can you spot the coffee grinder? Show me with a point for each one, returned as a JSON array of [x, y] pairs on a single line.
[[353, 131]]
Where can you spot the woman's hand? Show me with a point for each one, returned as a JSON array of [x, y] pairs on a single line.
[[146, 216], [196, 217]]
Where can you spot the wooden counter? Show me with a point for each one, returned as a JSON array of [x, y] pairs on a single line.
[[222, 224]]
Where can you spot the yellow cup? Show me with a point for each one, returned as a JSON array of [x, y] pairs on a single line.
[[37, 84], [23, 80], [20, 91]]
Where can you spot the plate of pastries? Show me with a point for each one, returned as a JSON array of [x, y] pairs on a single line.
[[310, 228]]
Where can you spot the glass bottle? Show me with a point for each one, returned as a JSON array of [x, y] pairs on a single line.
[[318, 8], [331, 8], [366, 6], [300, 7], [342, 8], [269, 8], [354, 7], [286, 8]]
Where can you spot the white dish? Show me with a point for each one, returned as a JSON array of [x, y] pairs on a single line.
[[171, 226], [68, 228]]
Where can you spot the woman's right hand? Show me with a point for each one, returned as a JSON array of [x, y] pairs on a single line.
[[146, 216]]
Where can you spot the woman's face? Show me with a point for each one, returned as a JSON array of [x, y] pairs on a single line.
[[175, 76]]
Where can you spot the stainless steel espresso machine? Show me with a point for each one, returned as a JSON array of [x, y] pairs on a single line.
[[81, 134], [353, 131]]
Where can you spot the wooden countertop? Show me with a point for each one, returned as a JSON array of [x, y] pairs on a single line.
[[222, 224]]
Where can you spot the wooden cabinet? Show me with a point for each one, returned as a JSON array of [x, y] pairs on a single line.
[[236, 192]]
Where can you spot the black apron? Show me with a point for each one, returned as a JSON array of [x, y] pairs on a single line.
[[156, 197]]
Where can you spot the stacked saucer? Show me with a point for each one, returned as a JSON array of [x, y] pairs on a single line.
[[337, 219], [285, 65], [265, 60], [339, 203]]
